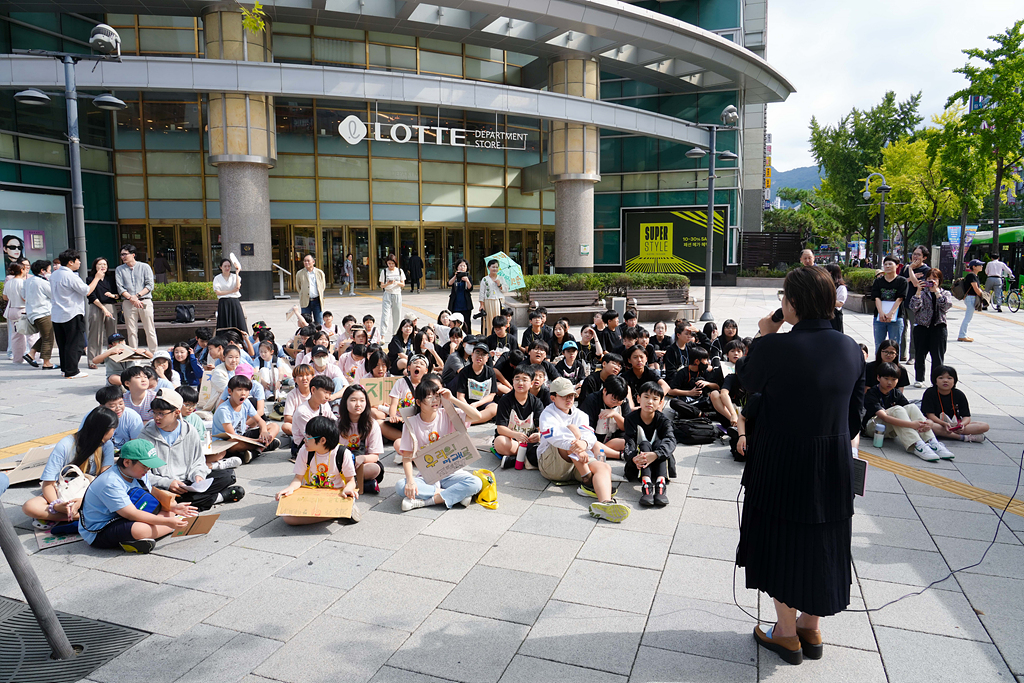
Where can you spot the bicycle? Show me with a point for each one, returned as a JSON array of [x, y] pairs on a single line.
[[1012, 294]]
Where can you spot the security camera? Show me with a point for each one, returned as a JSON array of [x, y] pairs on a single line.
[[105, 40], [867, 195]]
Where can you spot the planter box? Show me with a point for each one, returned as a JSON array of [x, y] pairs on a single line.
[[860, 303], [773, 282]]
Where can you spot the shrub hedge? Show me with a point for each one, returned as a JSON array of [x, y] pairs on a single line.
[[183, 291], [859, 280], [607, 284]]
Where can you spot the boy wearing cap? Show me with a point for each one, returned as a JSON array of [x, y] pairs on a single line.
[[973, 289], [179, 445], [111, 517], [115, 345], [571, 367], [478, 386], [566, 451]]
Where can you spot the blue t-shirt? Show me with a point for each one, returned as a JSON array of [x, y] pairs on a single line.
[[237, 418], [63, 454], [257, 392], [129, 426], [162, 383], [171, 437], [107, 494]]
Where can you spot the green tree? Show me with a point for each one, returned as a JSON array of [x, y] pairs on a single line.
[[997, 119], [814, 216]]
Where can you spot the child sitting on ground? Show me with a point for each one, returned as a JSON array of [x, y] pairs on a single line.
[[361, 434], [430, 423], [539, 388], [121, 510], [138, 395], [115, 345], [189, 399], [166, 378], [302, 375], [478, 386], [650, 444], [129, 424], [611, 364], [570, 366], [318, 403], [517, 421], [604, 409], [947, 409], [884, 403], [238, 416], [566, 451], [322, 464]]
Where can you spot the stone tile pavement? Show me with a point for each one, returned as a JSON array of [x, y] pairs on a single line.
[[537, 590]]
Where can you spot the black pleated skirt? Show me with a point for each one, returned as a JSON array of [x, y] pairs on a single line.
[[230, 314]]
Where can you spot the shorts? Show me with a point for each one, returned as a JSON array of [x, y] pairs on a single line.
[[554, 467], [114, 534]]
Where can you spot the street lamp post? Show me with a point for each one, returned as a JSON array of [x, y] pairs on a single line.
[[882, 190], [730, 117]]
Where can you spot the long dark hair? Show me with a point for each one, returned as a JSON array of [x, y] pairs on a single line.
[[428, 386], [729, 322], [888, 344], [179, 366], [398, 333], [373, 359], [95, 262], [836, 272], [90, 437], [365, 423]]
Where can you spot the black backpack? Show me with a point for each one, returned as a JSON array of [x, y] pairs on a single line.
[[184, 313], [695, 431]]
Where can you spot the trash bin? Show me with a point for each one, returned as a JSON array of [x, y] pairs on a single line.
[[617, 304]]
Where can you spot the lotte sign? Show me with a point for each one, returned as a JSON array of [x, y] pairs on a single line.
[[354, 131]]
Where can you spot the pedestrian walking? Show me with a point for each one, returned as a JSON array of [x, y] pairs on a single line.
[[391, 280], [972, 286], [995, 270], [37, 311], [14, 294], [415, 271], [135, 283], [68, 295], [349, 276], [459, 300], [101, 315], [312, 287], [929, 306]]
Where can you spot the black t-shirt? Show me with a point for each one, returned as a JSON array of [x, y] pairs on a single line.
[[592, 383], [519, 417], [494, 342], [550, 369], [610, 339], [737, 394], [504, 366], [954, 405], [529, 336], [968, 279], [485, 378], [875, 400], [544, 394], [592, 406], [889, 291], [587, 353], [871, 379], [574, 374], [662, 345], [635, 382], [686, 379]]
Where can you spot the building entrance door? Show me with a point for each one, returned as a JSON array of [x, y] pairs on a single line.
[[455, 249], [360, 241], [433, 258], [334, 256]]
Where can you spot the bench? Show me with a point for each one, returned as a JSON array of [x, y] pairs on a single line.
[[653, 305], [579, 306], [164, 313]]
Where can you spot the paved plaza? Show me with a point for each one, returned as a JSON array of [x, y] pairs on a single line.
[[537, 590]]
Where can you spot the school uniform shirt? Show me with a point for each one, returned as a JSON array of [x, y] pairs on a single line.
[[953, 405], [63, 454], [593, 405], [237, 418], [372, 444], [293, 400], [884, 290], [529, 336], [303, 414], [321, 471], [427, 432], [476, 385], [523, 418], [403, 390], [106, 494], [144, 409], [555, 432], [575, 373], [875, 400]]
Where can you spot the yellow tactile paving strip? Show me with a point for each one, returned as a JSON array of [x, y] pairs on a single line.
[[995, 500], [20, 448]]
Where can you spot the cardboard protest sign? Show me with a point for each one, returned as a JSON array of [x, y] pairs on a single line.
[[32, 464], [206, 387], [447, 455], [378, 388], [44, 539], [313, 502], [200, 524], [125, 354]]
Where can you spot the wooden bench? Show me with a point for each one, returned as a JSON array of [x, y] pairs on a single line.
[[653, 305], [164, 314], [579, 306]]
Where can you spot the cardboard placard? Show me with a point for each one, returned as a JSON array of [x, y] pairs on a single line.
[[314, 502], [200, 524], [378, 388], [44, 539], [217, 446], [206, 387], [126, 353], [449, 454], [32, 464]]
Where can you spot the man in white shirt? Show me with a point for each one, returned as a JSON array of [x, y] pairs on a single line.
[[994, 272], [68, 293], [312, 284], [135, 286]]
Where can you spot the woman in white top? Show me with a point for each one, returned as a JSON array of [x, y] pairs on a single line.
[[841, 294], [228, 287], [392, 280], [492, 293], [38, 306], [14, 292]]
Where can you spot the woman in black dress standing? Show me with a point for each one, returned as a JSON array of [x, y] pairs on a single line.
[[797, 515], [460, 301]]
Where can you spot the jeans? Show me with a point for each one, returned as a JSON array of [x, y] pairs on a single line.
[[454, 488], [70, 337], [391, 314], [994, 285], [894, 330], [928, 341], [969, 302], [315, 310]]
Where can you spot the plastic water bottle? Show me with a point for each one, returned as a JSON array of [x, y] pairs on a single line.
[[521, 456], [600, 454], [879, 437]]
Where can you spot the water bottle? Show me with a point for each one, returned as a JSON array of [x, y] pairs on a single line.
[[879, 437], [600, 454], [521, 455]]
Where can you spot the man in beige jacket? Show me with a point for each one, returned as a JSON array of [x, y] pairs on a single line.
[[312, 290]]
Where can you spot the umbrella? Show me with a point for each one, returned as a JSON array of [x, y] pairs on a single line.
[[508, 270]]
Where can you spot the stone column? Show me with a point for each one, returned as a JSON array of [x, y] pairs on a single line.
[[574, 166], [243, 147]]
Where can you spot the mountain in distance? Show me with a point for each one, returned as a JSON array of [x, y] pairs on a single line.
[[803, 178]]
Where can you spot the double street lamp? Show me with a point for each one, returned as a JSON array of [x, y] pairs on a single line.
[[883, 190], [730, 117]]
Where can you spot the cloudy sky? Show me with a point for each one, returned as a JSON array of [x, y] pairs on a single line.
[[841, 54]]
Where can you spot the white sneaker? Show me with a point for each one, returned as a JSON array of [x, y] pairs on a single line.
[[918, 384], [227, 463], [943, 452], [921, 450], [467, 501], [412, 504], [398, 459], [80, 375]]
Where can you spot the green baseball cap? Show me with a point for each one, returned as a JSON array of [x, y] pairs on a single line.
[[142, 451]]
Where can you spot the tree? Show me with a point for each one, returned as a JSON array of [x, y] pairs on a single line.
[[813, 217], [995, 102], [846, 151]]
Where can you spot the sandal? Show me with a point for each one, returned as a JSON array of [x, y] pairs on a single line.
[[31, 361]]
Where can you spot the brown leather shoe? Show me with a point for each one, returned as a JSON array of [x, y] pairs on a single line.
[[787, 648], [965, 339], [810, 642]]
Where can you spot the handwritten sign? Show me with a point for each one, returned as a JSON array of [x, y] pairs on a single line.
[[378, 388], [44, 539], [314, 502], [447, 455], [200, 524], [127, 353], [206, 387]]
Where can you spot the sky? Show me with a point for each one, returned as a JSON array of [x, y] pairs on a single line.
[[840, 54]]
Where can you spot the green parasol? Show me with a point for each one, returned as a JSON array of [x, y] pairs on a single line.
[[508, 270]]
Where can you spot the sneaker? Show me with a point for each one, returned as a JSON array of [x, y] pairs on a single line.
[[355, 515], [495, 453], [142, 547], [245, 457], [612, 510], [921, 450], [227, 463], [398, 459], [466, 502], [588, 492], [412, 504], [529, 465], [273, 445], [508, 462], [918, 384], [371, 486], [233, 494], [660, 499], [943, 452], [647, 494], [998, 309], [974, 438]]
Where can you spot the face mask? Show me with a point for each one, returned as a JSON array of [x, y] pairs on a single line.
[[320, 361]]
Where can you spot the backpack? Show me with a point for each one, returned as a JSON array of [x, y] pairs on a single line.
[[958, 290], [488, 496], [684, 410], [695, 431], [184, 313]]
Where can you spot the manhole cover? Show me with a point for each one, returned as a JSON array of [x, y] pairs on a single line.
[[25, 654]]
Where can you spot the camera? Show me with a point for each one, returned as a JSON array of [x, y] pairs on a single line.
[[479, 315]]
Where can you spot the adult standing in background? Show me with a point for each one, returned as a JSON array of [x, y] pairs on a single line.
[[68, 292], [842, 293], [312, 287], [796, 529], [916, 271], [415, 271], [995, 270], [891, 290], [14, 293], [972, 288], [135, 285], [228, 288], [929, 305], [492, 294], [37, 309], [349, 276], [459, 300], [101, 316], [161, 266], [807, 258], [391, 280]]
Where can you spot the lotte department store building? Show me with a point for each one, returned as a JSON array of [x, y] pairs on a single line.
[[458, 129]]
